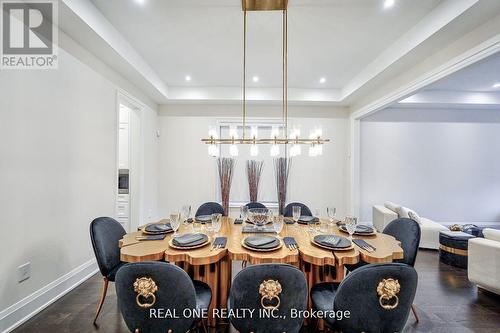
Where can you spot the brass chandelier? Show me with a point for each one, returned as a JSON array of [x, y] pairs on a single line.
[[315, 140]]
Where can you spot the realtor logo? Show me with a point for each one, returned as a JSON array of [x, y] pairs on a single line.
[[29, 34]]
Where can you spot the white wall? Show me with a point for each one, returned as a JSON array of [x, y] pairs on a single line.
[[58, 169], [189, 175], [442, 163]]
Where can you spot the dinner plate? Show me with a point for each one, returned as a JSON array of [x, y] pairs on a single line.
[[157, 229], [342, 245], [204, 218], [200, 242], [268, 243], [361, 230], [307, 219]]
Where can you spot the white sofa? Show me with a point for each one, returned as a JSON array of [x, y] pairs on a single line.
[[383, 215], [484, 260]]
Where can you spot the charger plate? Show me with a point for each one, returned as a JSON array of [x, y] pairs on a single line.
[[261, 250]]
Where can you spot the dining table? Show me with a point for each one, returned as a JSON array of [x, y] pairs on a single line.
[[214, 265]]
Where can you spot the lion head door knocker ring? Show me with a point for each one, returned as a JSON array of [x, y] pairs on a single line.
[[387, 290], [145, 289], [269, 291]]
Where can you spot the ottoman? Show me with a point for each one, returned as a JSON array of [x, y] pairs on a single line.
[[453, 247]]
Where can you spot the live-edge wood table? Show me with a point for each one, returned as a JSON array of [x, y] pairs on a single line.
[[213, 266]]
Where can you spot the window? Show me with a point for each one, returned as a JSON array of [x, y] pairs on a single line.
[[239, 189]]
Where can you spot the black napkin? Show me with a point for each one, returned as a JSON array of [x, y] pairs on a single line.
[[364, 245], [262, 242], [238, 221], [189, 240], [220, 242], [332, 241], [289, 220], [289, 241], [308, 219], [249, 229]]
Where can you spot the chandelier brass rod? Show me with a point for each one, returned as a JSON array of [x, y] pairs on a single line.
[[244, 71]]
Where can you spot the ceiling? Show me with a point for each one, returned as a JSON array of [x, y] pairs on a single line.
[[476, 86], [356, 46], [334, 39]]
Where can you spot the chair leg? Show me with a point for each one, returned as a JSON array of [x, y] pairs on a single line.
[[103, 296], [414, 310]]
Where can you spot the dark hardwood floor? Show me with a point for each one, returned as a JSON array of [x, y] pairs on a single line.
[[446, 302]]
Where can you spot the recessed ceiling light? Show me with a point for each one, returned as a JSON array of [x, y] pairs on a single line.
[[496, 85], [255, 79], [188, 78], [322, 80], [389, 3]]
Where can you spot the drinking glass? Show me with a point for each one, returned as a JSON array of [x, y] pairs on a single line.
[[175, 222], [216, 222], [331, 211], [350, 224], [186, 213], [296, 211], [197, 226], [278, 223], [322, 227]]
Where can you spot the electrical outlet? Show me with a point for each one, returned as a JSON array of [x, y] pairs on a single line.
[[24, 272]]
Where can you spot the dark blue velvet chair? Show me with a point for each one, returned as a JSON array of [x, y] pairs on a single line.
[[304, 210], [105, 234], [407, 231], [252, 205], [247, 292], [172, 290], [360, 294], [209, 208]]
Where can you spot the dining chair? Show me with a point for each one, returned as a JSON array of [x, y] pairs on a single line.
[[209, 208], [377, 296], [105, 233], [304, 210], [279, 288], [407, 232], [147, 289], [252, 205]]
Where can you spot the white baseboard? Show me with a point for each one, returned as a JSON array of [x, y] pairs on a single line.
[[18, 313]]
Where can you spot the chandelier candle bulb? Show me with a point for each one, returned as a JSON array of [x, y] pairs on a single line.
[[254, 150], [233, 150], [275, 150]]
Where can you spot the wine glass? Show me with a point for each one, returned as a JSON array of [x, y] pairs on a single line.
[[175, 222], [186, 213], [244, 213], [331, 211], [216, 222], [278, 223], [350, 225]]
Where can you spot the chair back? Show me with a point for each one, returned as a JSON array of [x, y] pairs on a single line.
[[147, 288], [378, 297], [105, 234], [406, 231], [304, 210], [209, 208], [252, 205], [268, 285]]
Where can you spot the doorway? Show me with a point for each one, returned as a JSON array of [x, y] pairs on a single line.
[[129, 187]]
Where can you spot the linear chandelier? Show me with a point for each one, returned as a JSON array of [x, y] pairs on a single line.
[[278, 137]]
